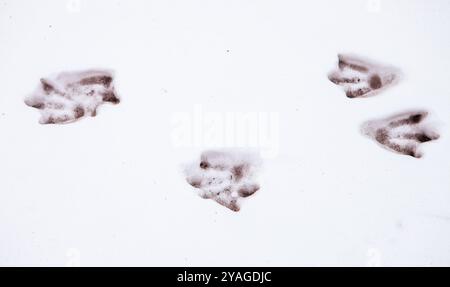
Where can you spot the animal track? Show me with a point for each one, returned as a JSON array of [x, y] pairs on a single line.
[[362, 78], [402, 133], [72, 95], [224, 176]]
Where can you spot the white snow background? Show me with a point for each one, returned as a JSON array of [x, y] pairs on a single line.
[[109, 190]]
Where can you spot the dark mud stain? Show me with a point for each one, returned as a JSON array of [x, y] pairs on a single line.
[[375, 82]]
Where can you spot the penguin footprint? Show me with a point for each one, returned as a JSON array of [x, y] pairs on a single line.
[[402, 133], [362, 78], [224, 176], [70, 96]]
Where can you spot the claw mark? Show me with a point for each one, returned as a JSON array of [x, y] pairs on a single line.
[[362, 78], [71, 96], [402, 133], [224, 176]]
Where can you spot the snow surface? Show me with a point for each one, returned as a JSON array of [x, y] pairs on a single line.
[[110, 190]]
